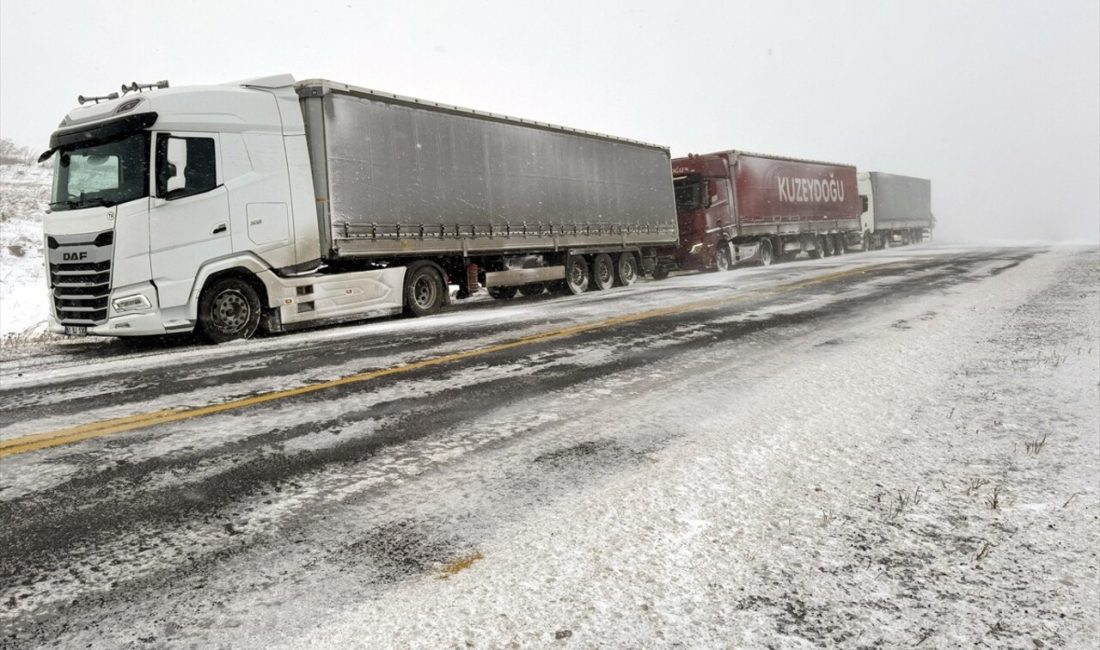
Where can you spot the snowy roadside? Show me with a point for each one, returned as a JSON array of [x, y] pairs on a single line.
[[932, 482], [24, 196]]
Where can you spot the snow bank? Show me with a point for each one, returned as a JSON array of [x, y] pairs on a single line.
[[24, 197]]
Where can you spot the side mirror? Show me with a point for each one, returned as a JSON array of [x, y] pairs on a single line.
[[177, 165], [171, 161]]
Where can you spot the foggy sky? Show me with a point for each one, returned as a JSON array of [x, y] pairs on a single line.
[[997, 102]]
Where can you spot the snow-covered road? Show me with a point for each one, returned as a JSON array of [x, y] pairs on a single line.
[[893, 448]]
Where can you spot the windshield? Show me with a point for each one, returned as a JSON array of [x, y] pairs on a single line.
[[102, 174], [689, 194]]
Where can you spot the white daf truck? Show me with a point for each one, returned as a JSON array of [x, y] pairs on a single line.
[[270, 203]]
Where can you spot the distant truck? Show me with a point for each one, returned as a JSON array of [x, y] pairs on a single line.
[[272, 203], [897, 210], [736, 207]]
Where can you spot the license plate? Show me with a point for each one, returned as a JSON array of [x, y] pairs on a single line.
[[76, 330]]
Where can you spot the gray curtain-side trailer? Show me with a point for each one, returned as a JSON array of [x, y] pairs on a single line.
[[398, 178], [897, 209]]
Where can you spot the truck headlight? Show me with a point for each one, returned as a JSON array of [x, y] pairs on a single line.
[[131, 303]]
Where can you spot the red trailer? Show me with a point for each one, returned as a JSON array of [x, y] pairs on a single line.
[[735, 207]]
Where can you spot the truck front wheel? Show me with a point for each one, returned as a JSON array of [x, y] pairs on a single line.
[[229, 309], [766, 255], [723, 259], [424, 289]]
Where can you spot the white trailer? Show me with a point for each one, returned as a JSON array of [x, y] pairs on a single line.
[[897, 210]]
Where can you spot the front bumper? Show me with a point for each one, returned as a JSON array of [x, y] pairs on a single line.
[[142, 322], [701, 255]]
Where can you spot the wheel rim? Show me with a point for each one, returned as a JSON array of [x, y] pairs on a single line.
[[604, 274], [766, 255], [424, 291], [627, 273], [578, 277], [231, 311], [724, 258]]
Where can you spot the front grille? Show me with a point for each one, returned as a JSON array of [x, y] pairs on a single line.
[[80, 277]]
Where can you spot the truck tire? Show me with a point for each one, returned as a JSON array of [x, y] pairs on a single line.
[[533, 289], [767, 256], [503, 293], [229, 309], [838, 244], [576, 275], [626, 270], [424, 289], [723, 258], [819, 250], [603, 272]]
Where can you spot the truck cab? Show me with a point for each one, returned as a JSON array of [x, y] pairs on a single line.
[[159, 194], [704, 210]]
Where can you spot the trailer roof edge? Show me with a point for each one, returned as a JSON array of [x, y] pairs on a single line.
[[773, 156], [320, 87]]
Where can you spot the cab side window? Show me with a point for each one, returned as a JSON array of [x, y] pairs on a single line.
[[185, 166]]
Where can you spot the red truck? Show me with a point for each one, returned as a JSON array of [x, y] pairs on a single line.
[[735, 207]]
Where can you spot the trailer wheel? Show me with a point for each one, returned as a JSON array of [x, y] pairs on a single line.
[[723, 258], [838, 244], [626, 270], [533, 289], [766, 255], [603, 272], [819, 249], [503, 293], [229, 309], [424, 289], [576, 275]]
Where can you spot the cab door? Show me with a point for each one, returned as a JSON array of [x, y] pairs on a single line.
[[189, 218], [719, 205]]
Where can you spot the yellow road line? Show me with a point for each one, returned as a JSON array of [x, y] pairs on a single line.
[[69, 435]]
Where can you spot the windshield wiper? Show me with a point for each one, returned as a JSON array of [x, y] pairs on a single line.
[[84, 203], [97, 201]]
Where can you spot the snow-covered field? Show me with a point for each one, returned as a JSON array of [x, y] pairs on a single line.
[[24, 197]]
